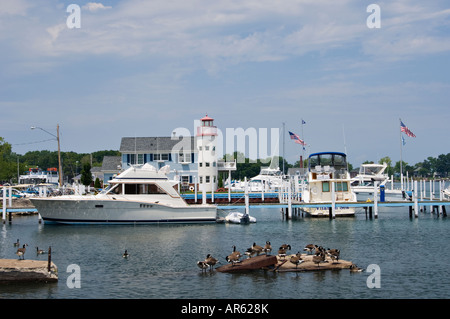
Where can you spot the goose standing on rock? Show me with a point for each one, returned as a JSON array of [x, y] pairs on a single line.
[[296, 259], [334, 254], [267, 248], [309, 248], [257, 249], [21, 251]]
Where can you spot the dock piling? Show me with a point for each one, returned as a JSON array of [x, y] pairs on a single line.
[[416, 202], [375, 199]]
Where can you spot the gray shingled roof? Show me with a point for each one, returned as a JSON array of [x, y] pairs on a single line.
[[156, 144], [110, 163]]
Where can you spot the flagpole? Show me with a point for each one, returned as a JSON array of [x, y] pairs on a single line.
[[303, 147], [401, 160]]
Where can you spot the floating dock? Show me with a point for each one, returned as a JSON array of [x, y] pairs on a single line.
[[16, 270]]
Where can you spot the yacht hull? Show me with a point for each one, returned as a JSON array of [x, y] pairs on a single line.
[[325, 211], [97, 211]]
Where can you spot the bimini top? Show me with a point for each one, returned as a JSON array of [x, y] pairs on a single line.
[[322, 153], [336, 160]]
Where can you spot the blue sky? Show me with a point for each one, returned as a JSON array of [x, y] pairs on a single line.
[[144, 68]]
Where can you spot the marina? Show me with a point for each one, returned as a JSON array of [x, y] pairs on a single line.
[[162, 258]]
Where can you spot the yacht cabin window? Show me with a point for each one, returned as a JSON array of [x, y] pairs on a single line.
[[143, 189]]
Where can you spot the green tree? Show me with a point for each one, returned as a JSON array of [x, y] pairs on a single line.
[[8, 168], [97, 183], [86, 176]]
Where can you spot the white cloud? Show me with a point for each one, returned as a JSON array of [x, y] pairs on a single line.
[[94, 6]]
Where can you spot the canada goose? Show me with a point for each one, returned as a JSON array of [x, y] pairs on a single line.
[[233, 258], [21, 251], [282, 253], [354, 268], [285, 247], [125, 254], [267, 247], [202, 265], [333, 251], [236, 253], [334, 254], [317, 259], [17, 244], [309, 248], [40, 251], [319, 251], [211, 261], [250, 252], [296, 259], [256, 248]]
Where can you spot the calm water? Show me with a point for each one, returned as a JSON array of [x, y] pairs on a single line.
[[411, 253]]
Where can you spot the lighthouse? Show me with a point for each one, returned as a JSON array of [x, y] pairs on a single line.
[[207, 158]]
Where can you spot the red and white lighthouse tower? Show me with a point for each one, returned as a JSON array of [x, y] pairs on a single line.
[[207, 156]]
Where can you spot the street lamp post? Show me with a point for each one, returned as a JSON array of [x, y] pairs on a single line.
[[59, 149]]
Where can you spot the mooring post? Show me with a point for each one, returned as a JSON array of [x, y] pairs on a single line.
[[431, 196], [195, 188], [375, 199], [4, 205], [246, 197], [49, 266], [289, 199], [441, 198], [333, 200], [416, 200]]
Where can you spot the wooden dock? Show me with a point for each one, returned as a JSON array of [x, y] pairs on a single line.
[[282, 264], [16, 270]]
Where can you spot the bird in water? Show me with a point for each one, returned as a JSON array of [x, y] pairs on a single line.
[[40, 251], [202, 265], [211, 261], [125, 254]]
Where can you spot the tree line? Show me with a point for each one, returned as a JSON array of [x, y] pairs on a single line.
[[72, 163]]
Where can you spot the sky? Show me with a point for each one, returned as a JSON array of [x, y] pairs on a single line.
[[146, 68]]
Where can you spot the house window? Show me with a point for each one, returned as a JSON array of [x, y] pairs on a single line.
[[207, 179], [184, 158], [201, 179], [140, 159], [161, 157], [325, 186], [206, 148], [207, 164]]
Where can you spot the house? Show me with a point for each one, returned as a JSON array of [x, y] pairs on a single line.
[[111, 166], [180, 153]]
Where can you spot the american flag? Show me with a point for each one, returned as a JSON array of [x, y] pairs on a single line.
[[406, 130], [297, 139]]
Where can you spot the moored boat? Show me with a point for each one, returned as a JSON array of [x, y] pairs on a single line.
[[326, 169], [139, 195]]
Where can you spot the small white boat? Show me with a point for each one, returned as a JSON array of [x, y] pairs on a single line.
[[239, 218]]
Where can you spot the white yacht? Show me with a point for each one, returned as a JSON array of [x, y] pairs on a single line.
[[269, 179], [139, 195], [324, 169], [363, 184]]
